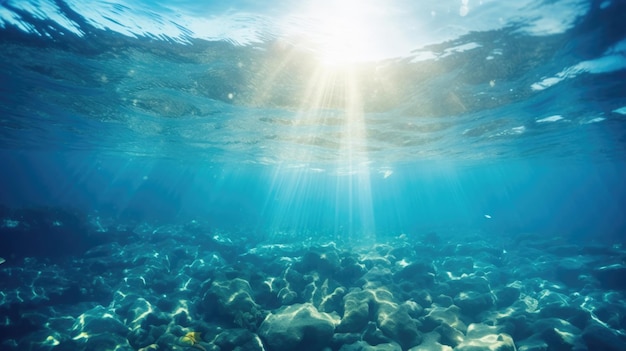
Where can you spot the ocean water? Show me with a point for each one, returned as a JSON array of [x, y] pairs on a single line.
[[328, 175]]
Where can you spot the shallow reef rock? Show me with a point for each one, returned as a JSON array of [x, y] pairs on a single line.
[[597, 337], [99, 329], [377, 305], [238, 339], [612, 276], [472, 303], [484, 337], [396, 323], [298, 327], [234, 299], [164, 291]]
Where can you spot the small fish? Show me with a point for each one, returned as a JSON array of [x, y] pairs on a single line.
[[2, 260], [488, 216]]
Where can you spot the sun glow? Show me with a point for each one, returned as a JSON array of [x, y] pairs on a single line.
[[344, 32], [331, 109], [327, 146]]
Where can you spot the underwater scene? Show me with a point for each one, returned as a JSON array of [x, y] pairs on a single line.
[[333, 175]]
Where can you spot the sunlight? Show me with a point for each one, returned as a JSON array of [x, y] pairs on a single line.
[[327, 141], [344, 32], [329, 116], [331, 109], [349, 31]]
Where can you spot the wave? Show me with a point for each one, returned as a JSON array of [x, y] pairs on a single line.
[[240, 82]]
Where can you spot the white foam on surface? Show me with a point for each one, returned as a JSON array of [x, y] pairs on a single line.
[[550, 119], [519, 130], [614, 60], [405, 25], [594, 120], [552, 18], [621, 110]]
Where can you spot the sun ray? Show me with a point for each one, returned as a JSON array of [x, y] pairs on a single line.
[[330, 55]]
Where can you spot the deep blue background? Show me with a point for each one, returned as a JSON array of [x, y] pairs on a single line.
[[576, 198]]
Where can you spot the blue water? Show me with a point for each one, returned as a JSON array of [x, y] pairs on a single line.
[[582, 200], [259, 117], [312, 175]]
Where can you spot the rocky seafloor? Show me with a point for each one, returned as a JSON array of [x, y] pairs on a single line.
[[185, 287]]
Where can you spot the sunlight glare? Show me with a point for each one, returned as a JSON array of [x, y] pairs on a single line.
[[344, 37], [348, 31]]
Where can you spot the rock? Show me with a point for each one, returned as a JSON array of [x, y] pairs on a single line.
[[401, 251], [566, 337], [99, 330], [552, 298], [532, 344], [332, 302], [107, 342], [598, 337], [484, 337], [431, 343], [392, 346], [140, 337], [324, 260], [340, 339], [44, 340], [376, 277], [374, 336], [600, 250], [420, 274], [98, 320], [396, 323], [472, 303], [296, 281], [325, 294], [182, 318], [555, 334], [469, 283], [62, 323], [443, 300], [439, 315], [57, 233], [421, 297], [350, 270], [413, 308], [506, 296], [611, 277], [234, 300], [151, 347], [356, 311], [569, 271], [238, 339], [298, 327], [393, 319], [449, 336], [613, 314], [572, 314], [496, 342], [458, 265], [286, 296], [363, 346], [140, 313]]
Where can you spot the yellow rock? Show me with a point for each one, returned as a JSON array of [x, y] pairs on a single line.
[[191, 338]]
